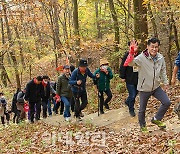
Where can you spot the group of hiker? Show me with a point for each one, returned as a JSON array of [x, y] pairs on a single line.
[[143, 72]]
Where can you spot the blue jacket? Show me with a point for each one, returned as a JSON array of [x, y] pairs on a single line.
[[177, 63], [76, 75]]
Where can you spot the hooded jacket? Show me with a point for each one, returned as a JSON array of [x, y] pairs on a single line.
[[152, 71]]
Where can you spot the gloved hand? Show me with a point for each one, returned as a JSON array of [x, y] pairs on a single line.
[[57, 98], [132, 52]]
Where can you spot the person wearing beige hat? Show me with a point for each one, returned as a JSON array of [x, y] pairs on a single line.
[[103, 83]]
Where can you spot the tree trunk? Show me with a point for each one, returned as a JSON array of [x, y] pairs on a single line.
[[4, 75], [116, 25], [76, 21], [152, 20], [56, 25], [140, 23], [169, 48], [99, 33], [11, 51], [174, 27], [20, 46]]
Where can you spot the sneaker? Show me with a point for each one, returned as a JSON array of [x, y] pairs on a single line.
[[67, 119], [106, 106], [159, 123], [132, 113], [144, 129]]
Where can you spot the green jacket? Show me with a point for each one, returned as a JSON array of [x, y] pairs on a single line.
[[63, 87], [103, 82]]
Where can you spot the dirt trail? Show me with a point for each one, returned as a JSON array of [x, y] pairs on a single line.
[[117, 120]]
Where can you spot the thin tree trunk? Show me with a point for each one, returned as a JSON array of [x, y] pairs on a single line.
[[76, 22], [4, 75], [20, 46], [99, 34], [170, 47], [12, 52], [152, 20], [116, 25]]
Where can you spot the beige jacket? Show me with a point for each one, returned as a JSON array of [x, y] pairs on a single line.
[[151, 71]]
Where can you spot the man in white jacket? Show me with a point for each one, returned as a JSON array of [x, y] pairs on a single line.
[[152, 72]]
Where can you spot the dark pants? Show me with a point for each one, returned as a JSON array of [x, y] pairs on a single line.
[[101, 96], [144, 97], [130, 101], [61, 105], [15, 117], [79, 107], [45, 106], [32, 106], [72, 104], [7, 116]]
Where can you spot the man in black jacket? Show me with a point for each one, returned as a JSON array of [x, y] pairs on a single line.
[[46, 93], [130, 76], [33, 96]]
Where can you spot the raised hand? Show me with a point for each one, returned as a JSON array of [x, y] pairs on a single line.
[[133, 49]]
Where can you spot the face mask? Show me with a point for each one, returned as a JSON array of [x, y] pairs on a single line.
[[104, 67], [2, 97], [45, 82]]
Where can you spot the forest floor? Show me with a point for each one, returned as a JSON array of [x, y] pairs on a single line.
[[113, 132]]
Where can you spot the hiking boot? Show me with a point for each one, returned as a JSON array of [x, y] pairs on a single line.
[[101, 112], [78, 119], [81, 114], [144, 129], [31, 122], [159, 123], [106, 106], [126, 103], [132, 113]]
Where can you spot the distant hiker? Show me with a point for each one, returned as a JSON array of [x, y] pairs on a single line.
[[3, 109], [152, 70], [52, 100], [64, 91], [46, 93], [20, 105], [103, 83], [14, 107], [176, 71], [33, 96], [129, 75], [78, 84]]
